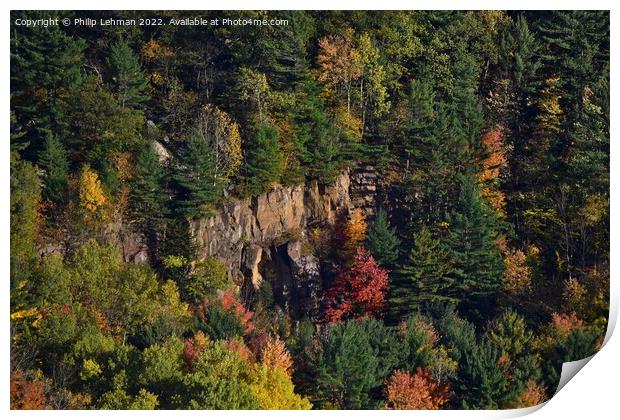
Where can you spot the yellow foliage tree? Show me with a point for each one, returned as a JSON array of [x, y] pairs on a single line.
[[217, 126], [355, 233], [274, 390], [92, 196], [549, 110], [517, 274]]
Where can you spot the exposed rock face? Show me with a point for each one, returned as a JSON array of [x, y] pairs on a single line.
[[306, 270], [364, 189], [124, 237], [129, 240], [273, 225]]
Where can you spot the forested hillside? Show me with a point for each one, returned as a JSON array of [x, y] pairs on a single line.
[[472, 264]]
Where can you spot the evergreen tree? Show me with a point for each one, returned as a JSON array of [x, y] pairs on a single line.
[[579, 344], [126, 74], [98, 126], [423, 278], [437, 152], [316, 141], [264, 161], [199, 186], [382, 241], [577, 47], [481, 383], [53, 159], [44, 64], [475, 262], [149, 192], [520, 61], [353, 360]]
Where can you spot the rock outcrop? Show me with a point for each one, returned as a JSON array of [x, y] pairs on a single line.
[[364, 189], [283, 214], [273, 226]]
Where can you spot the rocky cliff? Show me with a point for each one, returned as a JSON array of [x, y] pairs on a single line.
[[270, 230]]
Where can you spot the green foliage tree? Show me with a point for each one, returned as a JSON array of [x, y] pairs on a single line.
[[422, 278], [25, 222], [53, 159], [475, 261], [98, 126], [317, 144], [383, 243], [199, 186], [577, 345], [148, 195], [126, 74], [220, 380], [263, 165], [44, 66], [207, 278], [353, 360]]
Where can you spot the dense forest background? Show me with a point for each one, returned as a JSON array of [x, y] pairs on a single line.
[[484, 267]]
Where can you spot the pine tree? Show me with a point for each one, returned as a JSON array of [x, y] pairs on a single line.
[[475, 262], [382, 241], [199, 186], [577, 47], [44, 64], [264, 161], [317, 144], [481, 383], [148, 190], [437, 152], [126, 74], [520, 62], [348, 365], [53, 159], [423, 278]]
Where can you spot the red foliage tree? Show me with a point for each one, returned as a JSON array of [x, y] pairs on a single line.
[[358, 291], [193, 347], [230, 303]]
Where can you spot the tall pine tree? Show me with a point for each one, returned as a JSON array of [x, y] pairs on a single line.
[[126, 74], [199, 186], [422, 278], [263, 161], [383, 243], [475, 261], [53, 159]]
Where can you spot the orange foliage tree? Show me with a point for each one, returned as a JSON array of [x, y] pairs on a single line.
[[27, 394], [532, 395], [492, 164], [406, 391], [340, 64], [274, 354]]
